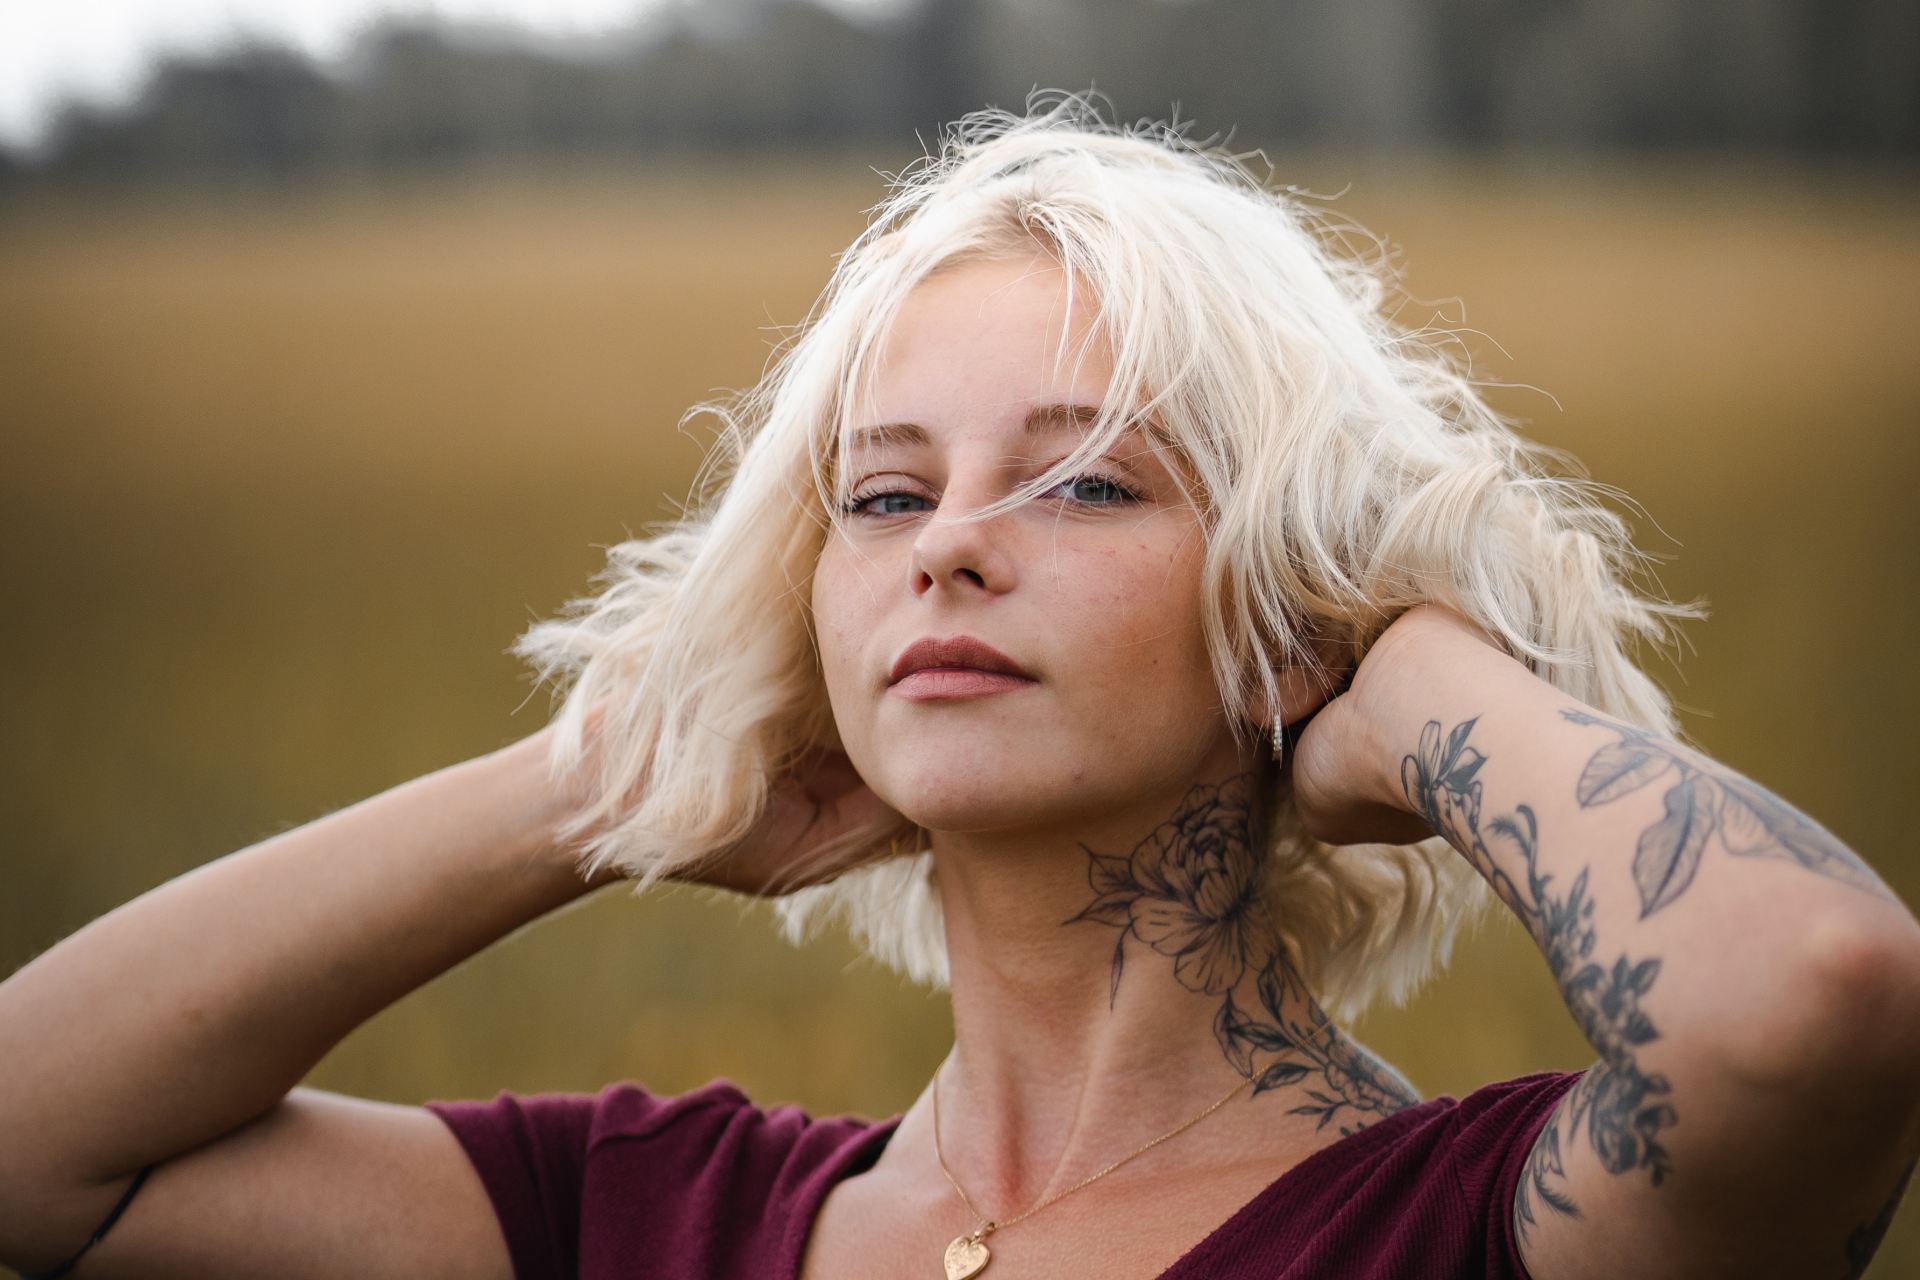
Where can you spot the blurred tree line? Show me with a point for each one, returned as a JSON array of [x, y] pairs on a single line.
[[1788, 75]]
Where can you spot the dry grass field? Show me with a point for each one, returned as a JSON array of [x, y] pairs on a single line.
[[283, 477]]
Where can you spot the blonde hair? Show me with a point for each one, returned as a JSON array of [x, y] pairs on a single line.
[[1345, 469]]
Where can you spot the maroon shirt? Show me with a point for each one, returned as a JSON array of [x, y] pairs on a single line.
[[705, 1185]]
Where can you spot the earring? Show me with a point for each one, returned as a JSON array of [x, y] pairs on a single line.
[[1279, 742]]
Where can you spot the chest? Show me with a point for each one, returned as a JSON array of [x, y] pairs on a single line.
[[866, 1232]]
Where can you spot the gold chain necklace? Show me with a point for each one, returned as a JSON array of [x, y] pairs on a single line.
[[967, 1256]]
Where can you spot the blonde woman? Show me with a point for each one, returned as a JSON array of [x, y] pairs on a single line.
[[1106, 614]]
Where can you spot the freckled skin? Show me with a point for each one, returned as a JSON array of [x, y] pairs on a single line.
[[1100, 600]]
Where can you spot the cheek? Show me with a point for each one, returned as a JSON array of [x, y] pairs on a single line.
[[1135, 614], [842, 602]]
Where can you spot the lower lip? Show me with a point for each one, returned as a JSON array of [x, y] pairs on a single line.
[[935, 683]]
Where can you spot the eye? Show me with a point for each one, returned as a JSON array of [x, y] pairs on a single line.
[[1089, 489], [1107, 490], [857, 504]]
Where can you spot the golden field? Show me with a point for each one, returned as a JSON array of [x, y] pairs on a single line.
[[284, 476]]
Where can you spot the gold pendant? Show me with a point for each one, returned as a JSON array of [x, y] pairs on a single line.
[[967, 1257]]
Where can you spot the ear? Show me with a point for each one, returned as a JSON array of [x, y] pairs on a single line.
[[1303, 690]]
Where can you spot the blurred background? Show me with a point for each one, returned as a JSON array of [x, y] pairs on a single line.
[[339, 342]]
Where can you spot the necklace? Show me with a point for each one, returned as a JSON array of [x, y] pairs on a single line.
[[967, 1255]]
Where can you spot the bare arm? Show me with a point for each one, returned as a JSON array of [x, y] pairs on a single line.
[[1751, 987], [188, 1014]]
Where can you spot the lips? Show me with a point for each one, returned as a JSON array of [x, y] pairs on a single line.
[[962, 653]]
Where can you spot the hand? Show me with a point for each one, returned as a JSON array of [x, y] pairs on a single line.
[[1346, 775], [810, 809], [820, 800]]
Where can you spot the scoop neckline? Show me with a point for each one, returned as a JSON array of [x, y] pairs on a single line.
[[860, 1153]]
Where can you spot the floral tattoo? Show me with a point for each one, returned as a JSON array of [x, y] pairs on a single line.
[[1705, 802], [1193, 891], [1620, 1107]]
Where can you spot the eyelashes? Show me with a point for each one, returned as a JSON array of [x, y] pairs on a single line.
[[1121, 495]]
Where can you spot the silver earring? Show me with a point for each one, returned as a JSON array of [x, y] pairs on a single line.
[[1279, 742]]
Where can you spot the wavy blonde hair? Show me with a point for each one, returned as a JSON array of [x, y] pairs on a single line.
[[1345, 469]]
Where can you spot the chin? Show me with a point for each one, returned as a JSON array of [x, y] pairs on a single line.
[[1004, 790], [951, 793]]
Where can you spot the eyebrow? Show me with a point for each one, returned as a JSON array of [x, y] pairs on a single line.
[[1041, 420]]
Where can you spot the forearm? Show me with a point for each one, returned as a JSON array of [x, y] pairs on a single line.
[[194, 1008], [1752, 989], [1685, 912]]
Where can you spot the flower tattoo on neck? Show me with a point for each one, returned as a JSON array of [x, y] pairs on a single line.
[[1195, 891]]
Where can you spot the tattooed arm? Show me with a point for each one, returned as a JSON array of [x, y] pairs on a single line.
[[1751, 987]]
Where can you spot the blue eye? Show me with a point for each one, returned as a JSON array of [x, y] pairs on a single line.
[[1116, 491], [1090, 489], [856, 504]]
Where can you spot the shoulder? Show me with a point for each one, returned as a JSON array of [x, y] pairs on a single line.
[[1470, 1128], [1494, 1129], [623, 1108], [1480, 1140], [717, 1121], [1493, 1134], [552, 1130], [564, 1170], [1424, 1190]]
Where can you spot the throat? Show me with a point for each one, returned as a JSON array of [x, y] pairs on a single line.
[[1105, 1004]]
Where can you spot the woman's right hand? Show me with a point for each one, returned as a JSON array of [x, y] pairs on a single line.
[[811, 808]]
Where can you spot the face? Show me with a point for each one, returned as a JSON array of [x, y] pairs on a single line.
[[1093, 590]]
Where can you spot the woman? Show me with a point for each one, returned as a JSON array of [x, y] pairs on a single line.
[[1107, 614]]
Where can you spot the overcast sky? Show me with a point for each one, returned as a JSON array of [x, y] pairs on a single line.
[[99, 49]]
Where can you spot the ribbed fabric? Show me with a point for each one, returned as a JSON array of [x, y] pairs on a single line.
[[628, 1184]]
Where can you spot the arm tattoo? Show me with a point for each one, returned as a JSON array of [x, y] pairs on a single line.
[[1864, 1239], [1619, 1107], [1193, 891], [1705, 800], [1543, 1176]]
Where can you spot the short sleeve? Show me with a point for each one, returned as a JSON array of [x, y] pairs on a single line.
[[580, 1181], [530, 1152], [1496, 1128]]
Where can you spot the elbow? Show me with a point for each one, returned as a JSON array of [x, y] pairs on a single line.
[[1868, 967], [1850, 1014]]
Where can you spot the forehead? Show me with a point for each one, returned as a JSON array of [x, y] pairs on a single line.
[[997, 345], [1039, 422]]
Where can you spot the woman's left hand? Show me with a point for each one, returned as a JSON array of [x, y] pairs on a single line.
[[1346, 766]]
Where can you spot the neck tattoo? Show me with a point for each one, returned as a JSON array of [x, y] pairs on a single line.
[[1193, 892]]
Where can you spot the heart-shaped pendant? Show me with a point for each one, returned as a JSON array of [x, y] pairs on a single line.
[[966, 1258]]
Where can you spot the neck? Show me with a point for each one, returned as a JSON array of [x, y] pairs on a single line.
[[1110, 984]]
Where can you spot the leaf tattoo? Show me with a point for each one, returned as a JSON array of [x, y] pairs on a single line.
[[1192, 891], [1703, 802], [1668, 852]]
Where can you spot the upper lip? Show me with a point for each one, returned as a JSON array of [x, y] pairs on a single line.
[[953, 651]]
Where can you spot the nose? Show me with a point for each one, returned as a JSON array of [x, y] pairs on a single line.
[[967, 557]]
